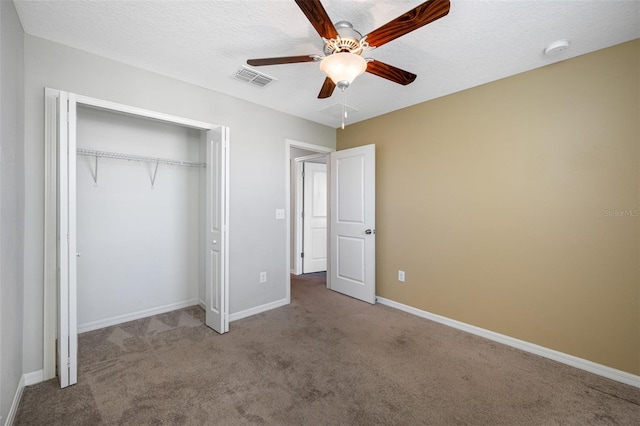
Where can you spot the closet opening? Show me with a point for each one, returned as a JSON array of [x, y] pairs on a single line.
[[139, 199], [136, 220]]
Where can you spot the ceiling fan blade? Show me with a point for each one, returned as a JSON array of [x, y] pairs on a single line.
[[315, 13], [327, 88], [282, 60], [417, 17], [390, 72]]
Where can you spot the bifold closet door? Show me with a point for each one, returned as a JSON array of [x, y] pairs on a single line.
[[217, 298], [67, 342]]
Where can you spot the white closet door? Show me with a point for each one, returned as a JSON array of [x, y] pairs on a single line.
[[216, 293], [67, 342]]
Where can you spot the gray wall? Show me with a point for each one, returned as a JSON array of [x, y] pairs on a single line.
[[257, 169], [11, 202]]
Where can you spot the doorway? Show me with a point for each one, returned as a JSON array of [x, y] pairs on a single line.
[[296, 153], [309, 213], [351, 223]]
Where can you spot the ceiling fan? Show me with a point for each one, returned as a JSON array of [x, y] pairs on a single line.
[[343, 45]]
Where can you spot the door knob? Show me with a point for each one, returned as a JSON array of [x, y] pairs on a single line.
[[368, 231]]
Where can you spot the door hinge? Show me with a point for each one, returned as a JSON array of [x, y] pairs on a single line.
[[68, 362], [301, 254]]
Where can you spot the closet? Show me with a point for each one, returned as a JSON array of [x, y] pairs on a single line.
[[136, 220]]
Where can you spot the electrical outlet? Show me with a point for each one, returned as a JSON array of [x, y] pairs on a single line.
[[263, 277], [401, 276], [279, 213]]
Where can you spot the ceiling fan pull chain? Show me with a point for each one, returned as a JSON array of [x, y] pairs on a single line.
[[345, 104], [344, 107]]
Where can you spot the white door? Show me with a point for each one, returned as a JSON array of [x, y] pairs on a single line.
[[216, 294], [353, 223], [315, 218], [67, 341]]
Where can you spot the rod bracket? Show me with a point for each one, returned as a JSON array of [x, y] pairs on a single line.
[[155, 173]]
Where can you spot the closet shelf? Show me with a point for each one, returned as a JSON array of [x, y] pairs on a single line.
[[130, 157]]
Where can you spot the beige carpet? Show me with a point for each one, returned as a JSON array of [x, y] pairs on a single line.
[[326, 359]]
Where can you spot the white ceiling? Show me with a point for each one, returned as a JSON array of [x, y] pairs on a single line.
[[205, 42]]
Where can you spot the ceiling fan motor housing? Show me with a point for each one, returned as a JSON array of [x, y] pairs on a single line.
[[348, 40]]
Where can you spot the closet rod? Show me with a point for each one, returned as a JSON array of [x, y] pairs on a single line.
[[130, 157]]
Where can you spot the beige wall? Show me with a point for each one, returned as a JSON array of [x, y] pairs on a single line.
[[500, 204]]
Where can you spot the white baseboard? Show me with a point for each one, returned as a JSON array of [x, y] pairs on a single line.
[[33, 378], [107, 322], [27, 379], [258, 309], [11, 415], [583, 364]]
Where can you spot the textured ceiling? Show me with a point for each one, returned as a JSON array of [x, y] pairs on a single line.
[[205, 42]]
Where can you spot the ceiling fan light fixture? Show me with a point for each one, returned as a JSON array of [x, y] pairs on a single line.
[[342, 68]]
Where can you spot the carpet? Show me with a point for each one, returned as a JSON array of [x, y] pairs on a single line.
[[325, 359]]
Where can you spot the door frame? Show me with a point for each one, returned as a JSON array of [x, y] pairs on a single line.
[[50, 305], [319, 149]]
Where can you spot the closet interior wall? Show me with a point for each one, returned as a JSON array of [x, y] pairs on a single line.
[[139, 246]]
